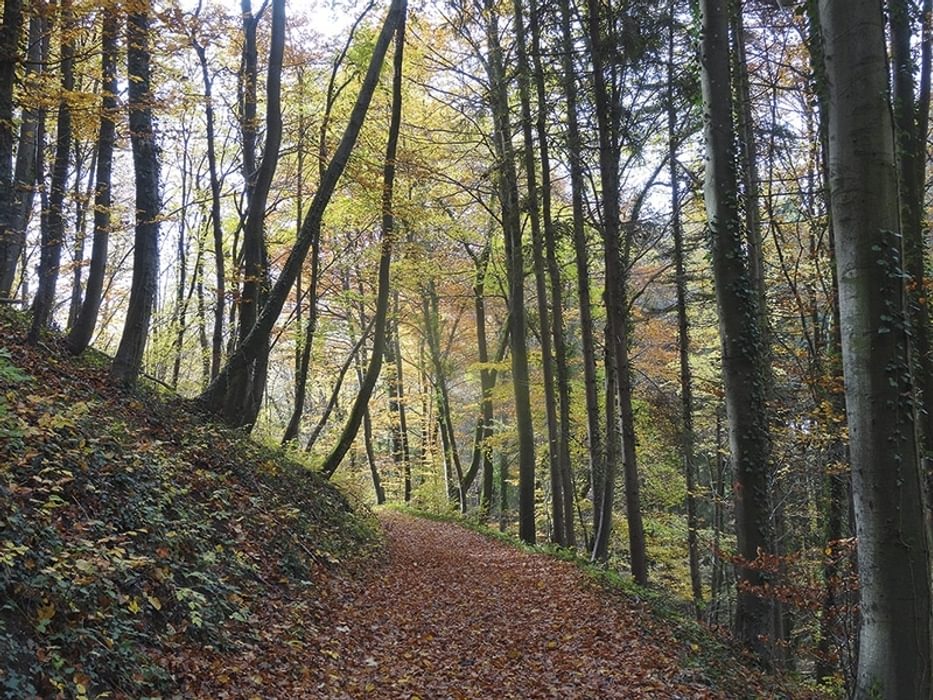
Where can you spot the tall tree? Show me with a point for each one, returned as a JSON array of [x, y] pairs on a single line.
[[618, 369], [687, 437], [536, 20], [389, 234], [53, 232], [581, 247], [83, 328], [911, 120], [127, 363], [215, 215], [740, 336], [515, 264], [10, 55], [252, 382], [887, 484], [558, 530]]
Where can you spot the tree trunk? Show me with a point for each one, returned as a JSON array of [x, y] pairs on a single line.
[[515, 266], [687, 437], [911, 150], [12, 247], [618, 372], [128, 361], [577, 188], [739, 329], [53, 232], [388, 239], [893, 551], [216, 223], [83, 329], [451, 453], [243, 401], [10, 54], [556, 291], [399, 423]]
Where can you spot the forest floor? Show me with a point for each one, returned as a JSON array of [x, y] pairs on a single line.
[[454, 614]]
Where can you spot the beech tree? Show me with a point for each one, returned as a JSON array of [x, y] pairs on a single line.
[[739, 328], [887, 480], [82, 330], [127, 363]]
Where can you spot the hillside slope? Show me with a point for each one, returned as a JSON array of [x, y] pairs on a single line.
[[140, 545]]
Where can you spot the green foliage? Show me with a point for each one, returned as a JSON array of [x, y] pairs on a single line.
[[10, 377]]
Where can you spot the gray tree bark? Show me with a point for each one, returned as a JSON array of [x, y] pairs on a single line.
[[887, 485]]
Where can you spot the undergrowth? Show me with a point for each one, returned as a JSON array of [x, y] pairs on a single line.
[[131, 528]]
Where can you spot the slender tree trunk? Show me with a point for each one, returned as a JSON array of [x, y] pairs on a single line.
[[54, 232], [128, 361], [911, 150], [220, 292], [388, 239], [558, 532], [451, 452], [687, 437], [577, 188], [402, 411], [12, 247], [81, 205], [836, 483], [887, 480], [618, 372], [359, 362], [399, 423], [244, 398], [557, 313], [739, 326], [10, 55], [515, 265]]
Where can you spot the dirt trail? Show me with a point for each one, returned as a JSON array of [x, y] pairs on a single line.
[[456, 615]]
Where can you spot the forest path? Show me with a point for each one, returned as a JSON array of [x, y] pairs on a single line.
[[457, 615]]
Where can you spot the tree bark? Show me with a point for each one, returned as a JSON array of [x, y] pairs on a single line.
[[911, 150], [893, 550], [556, 292], [53, 232], [10, 54], [83, 329], [243, 401], [558, 530], [127, 363], [739, 330], [577, 188], [24, 177], [687, 437], [509, 202], [220, 292]]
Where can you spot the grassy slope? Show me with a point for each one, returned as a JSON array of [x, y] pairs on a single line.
[[140, 545]]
